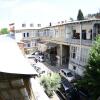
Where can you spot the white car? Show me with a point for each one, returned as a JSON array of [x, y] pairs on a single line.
[[67, 74], [31, 55], [37, 55]]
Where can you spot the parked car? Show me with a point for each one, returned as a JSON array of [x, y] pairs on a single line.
[[68, 91], [33, 54], [67, 74], [37, 53], [38, 56]]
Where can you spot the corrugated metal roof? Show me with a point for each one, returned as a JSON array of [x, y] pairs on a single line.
[[12, 59]]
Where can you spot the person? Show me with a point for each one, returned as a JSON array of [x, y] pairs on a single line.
[[36, 60]]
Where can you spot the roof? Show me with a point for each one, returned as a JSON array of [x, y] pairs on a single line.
[[12, 59], [72, 22]]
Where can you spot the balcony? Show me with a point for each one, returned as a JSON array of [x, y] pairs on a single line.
[[87, 42], [77, 41], [75, 61]]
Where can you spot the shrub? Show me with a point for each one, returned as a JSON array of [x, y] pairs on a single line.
[[51, 83]]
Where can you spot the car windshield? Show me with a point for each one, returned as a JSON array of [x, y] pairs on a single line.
[[69, 74]]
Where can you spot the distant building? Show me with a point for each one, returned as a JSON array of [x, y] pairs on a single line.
[[67, 43]]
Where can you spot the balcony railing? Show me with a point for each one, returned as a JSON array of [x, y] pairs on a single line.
[[77, 41], [78, 62], [87, 42]]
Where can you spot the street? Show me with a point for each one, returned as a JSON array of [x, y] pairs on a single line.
[[37, 88]]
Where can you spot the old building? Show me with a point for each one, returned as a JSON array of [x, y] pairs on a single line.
[[28, 34], [68, 43], [15, 72]]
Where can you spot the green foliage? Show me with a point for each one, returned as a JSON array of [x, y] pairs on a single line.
[[4, 31], [50, 83], [91, 79], [80, 15], [71, 19]]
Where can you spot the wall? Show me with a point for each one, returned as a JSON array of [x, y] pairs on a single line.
[[68, 31], [42, 47], [21, 46], [79, 70]]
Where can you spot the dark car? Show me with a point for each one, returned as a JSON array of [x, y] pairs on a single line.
[[68, 90]]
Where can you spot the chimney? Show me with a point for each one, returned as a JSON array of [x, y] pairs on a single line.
[[12, 30], [50, 24]]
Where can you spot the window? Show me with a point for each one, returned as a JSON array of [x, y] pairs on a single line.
[[74, 33], [24, 34], [74, 52], [39, 25], [84, 54], [28, 45], [27, 34], [84, 34], [31, 25], [23, 25]]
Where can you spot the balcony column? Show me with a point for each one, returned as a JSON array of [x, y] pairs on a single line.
[[93, 31], [59, 55], [80, 33]]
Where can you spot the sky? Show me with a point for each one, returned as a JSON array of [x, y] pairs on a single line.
[[44, 11]]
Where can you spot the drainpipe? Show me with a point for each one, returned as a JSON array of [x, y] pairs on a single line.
[[12, 30]]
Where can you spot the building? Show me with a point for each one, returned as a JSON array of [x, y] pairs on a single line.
[[68, 43], [28, 34], [15, 72]]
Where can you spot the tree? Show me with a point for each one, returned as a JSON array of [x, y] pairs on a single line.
[[80, 15], [71, 19], [50, 83], [91, 79], [4, 31]]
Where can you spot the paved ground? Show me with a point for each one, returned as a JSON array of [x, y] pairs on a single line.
[[39, 94], [55, 97], [54, 68]]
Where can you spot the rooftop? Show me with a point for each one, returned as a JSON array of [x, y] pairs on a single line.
[[11, 58]]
